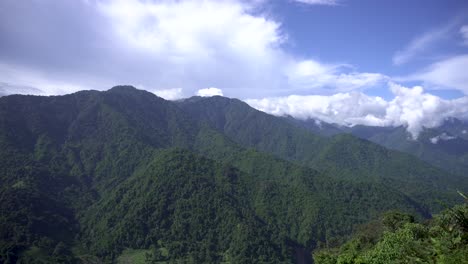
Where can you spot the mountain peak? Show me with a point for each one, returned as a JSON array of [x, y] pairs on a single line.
[[123, 88], [216, 99], [131, 91]]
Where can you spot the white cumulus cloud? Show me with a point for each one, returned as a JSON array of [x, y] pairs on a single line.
[[225, 37], [210, 92], [234, 44], [411, 107], [170, 94]]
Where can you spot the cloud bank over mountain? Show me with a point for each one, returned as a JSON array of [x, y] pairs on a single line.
[[411, 107], [177, 48]]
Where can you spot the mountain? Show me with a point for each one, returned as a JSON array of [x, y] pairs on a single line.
[[123, 174], [187, 206], [316, 126], [340, 156], [73, 165], [455, 127], [445, 147]]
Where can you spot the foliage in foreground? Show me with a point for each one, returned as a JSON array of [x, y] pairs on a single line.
[[396, 238]]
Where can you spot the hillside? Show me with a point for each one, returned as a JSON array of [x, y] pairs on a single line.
[[340, 156], [445, 147]]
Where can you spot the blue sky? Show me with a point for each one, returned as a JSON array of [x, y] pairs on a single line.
[[368, 34], [356, 30], [396, 62]]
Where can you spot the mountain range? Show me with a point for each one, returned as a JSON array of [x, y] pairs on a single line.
[[445, 146], [123, 175]]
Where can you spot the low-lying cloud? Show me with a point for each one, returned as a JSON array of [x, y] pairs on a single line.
[[212, 91], [169, 94], [443, 137], [411, 107]]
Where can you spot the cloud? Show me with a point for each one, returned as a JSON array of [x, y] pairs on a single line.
[[196, 43], [411, 107], [443, 136], [20, 80], [464, 34], [318, 2], [450, 73], [170, 94], [191, 28], [422, 43], [6, 89], [188, 44], [210, 92], [309, 74]]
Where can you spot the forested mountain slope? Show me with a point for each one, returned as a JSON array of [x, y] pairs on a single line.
[[341, 156], [445, 146]]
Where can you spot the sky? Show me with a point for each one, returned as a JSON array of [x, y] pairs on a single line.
[[381, 63]]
